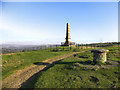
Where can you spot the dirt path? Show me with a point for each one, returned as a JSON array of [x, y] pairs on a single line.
[[16, 79]]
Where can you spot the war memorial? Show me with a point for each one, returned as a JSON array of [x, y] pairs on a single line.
[[67, 39]]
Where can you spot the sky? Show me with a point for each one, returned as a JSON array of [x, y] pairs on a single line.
[[45, 22]]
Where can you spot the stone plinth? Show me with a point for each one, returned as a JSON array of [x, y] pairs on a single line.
[[99, 55]]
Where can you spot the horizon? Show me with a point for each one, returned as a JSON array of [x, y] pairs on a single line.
[[35, 44], [45, 23]]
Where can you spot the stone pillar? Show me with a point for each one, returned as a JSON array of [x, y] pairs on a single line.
[[99, 55], [67, 42]]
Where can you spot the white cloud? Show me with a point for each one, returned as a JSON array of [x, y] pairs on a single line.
[[26, 33]]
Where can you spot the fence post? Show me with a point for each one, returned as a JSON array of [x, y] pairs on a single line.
[[50, 47], [63, 48], [70, 47], [56, 47]]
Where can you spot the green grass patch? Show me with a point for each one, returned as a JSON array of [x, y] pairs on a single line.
[[19, 60], [62, 76], [70, 73]]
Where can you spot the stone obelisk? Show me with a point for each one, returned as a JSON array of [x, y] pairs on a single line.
[[67, 42]]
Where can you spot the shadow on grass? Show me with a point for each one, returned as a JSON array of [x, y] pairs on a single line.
[[41, 63], [83, 57], [89, 62], [30, 83]]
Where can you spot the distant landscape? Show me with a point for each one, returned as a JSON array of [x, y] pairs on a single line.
[[12, 48]]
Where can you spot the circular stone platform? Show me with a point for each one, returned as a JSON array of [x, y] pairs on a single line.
[[113, 64], [96, 66]]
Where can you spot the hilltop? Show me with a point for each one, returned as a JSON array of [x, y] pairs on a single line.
[[68, 72]]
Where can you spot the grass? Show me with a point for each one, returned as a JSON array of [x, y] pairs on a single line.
[[69, 73], [20, 60], [76, 78]]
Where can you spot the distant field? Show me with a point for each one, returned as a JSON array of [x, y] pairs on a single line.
[[68, 73]]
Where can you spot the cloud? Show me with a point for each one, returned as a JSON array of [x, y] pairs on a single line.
[[24, 33]]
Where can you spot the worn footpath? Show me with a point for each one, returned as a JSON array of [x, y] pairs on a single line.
[[15, 80]]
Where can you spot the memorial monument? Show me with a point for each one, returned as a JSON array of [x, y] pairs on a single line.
[[67, 39]]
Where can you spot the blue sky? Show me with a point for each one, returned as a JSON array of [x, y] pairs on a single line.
[[45, 22]]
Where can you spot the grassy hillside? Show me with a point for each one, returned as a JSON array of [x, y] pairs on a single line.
[[69, 73], [20, 60]]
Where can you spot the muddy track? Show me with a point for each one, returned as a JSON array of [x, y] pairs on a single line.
[[17, 79]]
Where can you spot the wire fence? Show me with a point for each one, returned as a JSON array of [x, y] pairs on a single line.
[[85, 46]]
